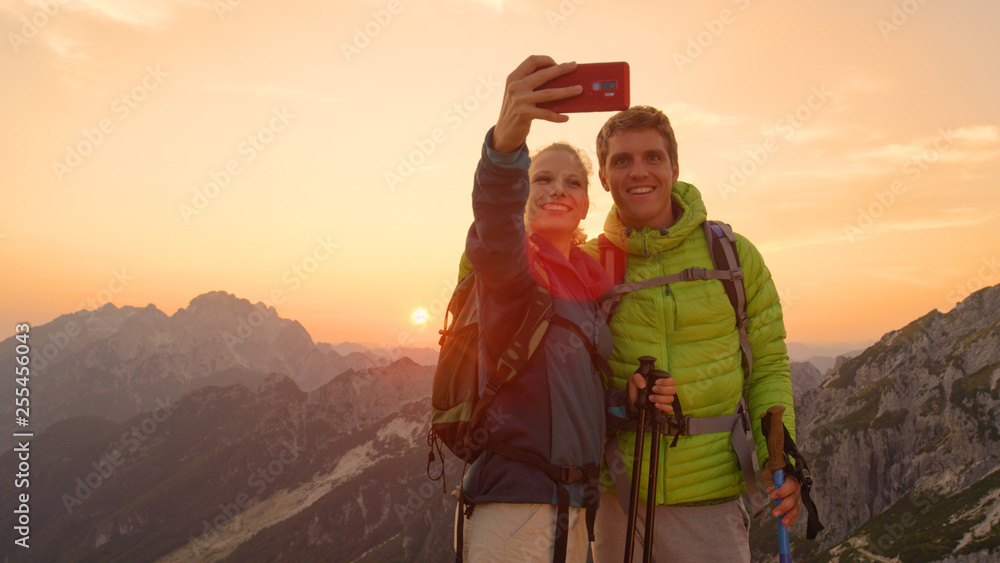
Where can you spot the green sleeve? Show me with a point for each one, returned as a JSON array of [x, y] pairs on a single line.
[[464, 267], [770, 382]]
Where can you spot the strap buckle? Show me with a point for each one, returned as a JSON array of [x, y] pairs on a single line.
[[741, 319], [675, 426], [806, 478], [570, 474], [744, 416], [693, 274], [737, 273]]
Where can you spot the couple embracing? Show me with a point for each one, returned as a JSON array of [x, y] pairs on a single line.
[[526, 233]]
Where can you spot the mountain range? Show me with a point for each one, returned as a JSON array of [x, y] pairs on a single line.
[[165, 443], [118, 362], [227, 470]]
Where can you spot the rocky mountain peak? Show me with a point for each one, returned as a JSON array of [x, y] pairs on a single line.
[[216, 303], [805, 377], [214, 299], [404, 362], [279, 385]]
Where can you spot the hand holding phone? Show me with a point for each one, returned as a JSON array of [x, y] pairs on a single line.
[[541, 89], [605, 88], [521, 99]]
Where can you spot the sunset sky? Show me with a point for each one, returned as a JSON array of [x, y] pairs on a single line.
[[155, 150]]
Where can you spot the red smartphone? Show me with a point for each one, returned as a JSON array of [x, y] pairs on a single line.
[[605, 88]]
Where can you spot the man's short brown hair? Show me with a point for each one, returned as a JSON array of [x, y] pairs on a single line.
[[636, 117]]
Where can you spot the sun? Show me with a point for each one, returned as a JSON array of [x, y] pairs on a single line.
[[419, 316]]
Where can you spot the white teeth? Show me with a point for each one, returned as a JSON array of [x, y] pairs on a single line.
[[555, 207], [640, 190]]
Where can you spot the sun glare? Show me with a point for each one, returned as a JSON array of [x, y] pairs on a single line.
[[419, 316]]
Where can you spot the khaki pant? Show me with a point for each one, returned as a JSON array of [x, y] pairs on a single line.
[[501, 532], [681, 534]]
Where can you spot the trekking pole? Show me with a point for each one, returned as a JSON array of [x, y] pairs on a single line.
[[645, 368], [652, 417], [774, 429], [656, 418]]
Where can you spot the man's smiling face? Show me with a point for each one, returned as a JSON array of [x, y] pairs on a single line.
[[639, 174]]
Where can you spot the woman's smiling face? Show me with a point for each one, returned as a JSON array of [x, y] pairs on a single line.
[[557, 200]]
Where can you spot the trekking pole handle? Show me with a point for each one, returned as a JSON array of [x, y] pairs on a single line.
[[774, 429], [658, 415], [646, 368]]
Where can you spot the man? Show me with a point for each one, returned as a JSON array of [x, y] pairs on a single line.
[[690, 328]]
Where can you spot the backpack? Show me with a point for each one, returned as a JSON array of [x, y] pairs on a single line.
[[459, 414], [457, 410], [725, 261]]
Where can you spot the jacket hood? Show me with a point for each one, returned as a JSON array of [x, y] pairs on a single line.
[[582, 277], [689, 214]]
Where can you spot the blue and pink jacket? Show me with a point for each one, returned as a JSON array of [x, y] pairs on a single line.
[[558, 409]]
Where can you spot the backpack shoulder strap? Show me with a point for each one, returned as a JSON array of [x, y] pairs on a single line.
[[722, 248], [523, 344], [614, 260]]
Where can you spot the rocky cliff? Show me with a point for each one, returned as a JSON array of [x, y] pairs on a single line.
[[904, 441]]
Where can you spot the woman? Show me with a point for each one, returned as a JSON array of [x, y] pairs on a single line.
[[555, 412]]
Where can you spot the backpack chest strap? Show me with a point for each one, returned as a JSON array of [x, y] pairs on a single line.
[[738, 425], [693, 426], [689, 274]]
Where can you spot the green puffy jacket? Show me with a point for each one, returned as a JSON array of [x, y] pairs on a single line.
[[690, 329]]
